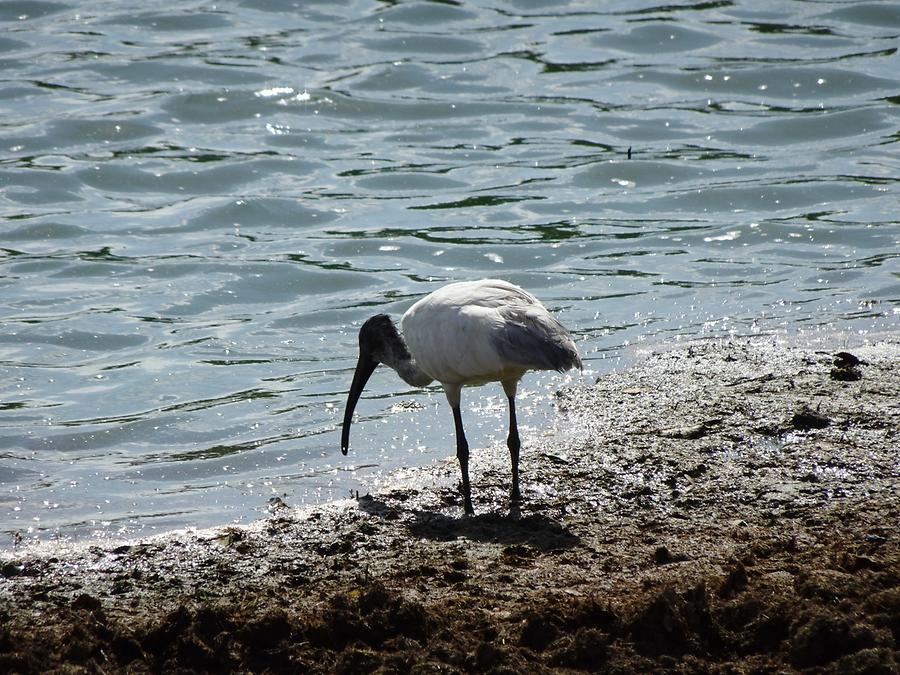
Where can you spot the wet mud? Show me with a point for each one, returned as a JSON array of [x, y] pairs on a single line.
[[718, 508]]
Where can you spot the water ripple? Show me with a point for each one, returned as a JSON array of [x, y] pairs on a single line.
[[199, 207]]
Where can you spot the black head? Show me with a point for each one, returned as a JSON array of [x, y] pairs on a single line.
[[376, 330], [379, 341]]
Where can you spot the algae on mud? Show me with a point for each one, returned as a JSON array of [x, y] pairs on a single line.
[[720, 507]]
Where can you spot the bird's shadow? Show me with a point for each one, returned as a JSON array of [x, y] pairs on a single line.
[[535, 530]]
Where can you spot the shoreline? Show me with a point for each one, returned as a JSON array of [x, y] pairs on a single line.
[[713, 506], [421, 476]]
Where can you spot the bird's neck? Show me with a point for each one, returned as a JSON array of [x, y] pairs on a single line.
[[396, 355], [412, 374]]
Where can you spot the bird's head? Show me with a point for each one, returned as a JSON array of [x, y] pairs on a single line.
[[379, 342], [376, 338]]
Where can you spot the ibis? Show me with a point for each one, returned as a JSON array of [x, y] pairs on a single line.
[[465, 333]]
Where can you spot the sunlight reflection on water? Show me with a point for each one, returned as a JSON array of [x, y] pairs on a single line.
[[201, 207]]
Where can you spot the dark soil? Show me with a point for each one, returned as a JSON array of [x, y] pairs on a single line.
[[720, 508]]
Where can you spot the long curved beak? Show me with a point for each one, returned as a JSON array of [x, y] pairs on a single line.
[[364, 369]]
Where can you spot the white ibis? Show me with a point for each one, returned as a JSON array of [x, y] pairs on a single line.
[[466, 333]]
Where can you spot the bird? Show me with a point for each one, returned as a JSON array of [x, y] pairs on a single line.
[[466, 333]]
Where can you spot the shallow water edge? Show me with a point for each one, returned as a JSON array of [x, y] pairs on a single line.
[[712, 506]]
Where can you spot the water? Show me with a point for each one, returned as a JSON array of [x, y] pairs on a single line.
[[201, 204]]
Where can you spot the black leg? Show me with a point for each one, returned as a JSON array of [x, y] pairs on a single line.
[[462, 454], [512, 441]]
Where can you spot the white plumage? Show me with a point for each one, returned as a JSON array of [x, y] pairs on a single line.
[[466, 333]]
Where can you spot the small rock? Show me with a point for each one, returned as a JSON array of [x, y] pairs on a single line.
[[276, 504], [10, 569], [688, 432], [846, 367], [845, 360], [662, 556], [805, 420], [86, 602], [846, 374]]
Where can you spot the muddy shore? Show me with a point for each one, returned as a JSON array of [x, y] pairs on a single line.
[[728, 507]]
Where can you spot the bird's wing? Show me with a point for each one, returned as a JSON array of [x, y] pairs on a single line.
[[530, 336]]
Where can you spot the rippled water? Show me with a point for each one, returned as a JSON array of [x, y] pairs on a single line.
[[201, 204]]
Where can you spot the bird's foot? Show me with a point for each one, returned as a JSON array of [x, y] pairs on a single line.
[[515, 504]]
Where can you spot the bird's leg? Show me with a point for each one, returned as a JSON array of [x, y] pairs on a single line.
[[514, 444], [462, 454], [512, 441]]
